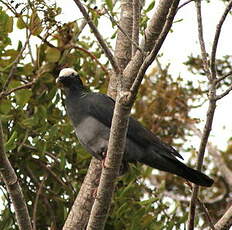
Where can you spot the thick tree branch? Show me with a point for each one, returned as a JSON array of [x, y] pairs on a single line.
[[134, 43], [100, 39], [80, 212], [123, 48], [13, 188], [135, 31], [112, 165], [226, 221]]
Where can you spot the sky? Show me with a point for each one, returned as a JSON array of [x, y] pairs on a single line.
[[178, 46]]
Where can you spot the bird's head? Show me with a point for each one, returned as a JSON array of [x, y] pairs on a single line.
[[69, 78]]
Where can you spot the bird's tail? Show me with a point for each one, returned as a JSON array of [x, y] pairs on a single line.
[[174, 166]]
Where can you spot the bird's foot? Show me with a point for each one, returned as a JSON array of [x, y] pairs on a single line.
[[103, 159]]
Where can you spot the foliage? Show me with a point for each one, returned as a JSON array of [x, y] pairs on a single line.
[[40, 141]]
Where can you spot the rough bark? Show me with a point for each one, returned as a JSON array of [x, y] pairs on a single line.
[[80, 212], [226, 221], [11, 181], [112, 165], [123, 44], [152, 33]]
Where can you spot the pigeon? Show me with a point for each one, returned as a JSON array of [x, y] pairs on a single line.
[[91, 115]]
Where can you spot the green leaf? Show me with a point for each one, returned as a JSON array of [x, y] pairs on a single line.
[[52, 55], [148, 202], [20, 23], [11, 143], [23, 96], [5, 106], [150, 7], [9, 25], [109, 3], [29, 122]]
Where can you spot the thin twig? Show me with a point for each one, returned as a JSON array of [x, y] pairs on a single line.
[[14, 64], [46, 153], [223, 77], [228, 90], [44, 195], [134, 43], [219, 161], [72, 46], [201, 153], [216, 38], [185, 3], [203, 207], [206, 211], [97, 34], [27, 85], [210, 114], [49, 170], [201, 39], [41, 185]]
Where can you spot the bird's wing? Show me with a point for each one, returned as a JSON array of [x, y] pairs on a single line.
[[101, 107]]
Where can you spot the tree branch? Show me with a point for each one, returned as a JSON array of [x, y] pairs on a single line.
[[27, 85], [14, 64], [204, 54], [13, 188], [226, 220], [201, 153], [104, 46], [112, 165], [220, 163], [123, 47], [212, 97], [216, 38], [80, 212], [135, 31], [184, 4], [73, 46], [218, 97], [40, 189], [134, 43]]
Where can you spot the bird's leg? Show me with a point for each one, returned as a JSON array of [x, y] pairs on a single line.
[[104, 153]]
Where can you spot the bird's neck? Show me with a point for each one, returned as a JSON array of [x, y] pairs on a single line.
[[75, 91]]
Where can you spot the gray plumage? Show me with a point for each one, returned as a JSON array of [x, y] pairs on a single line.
[[91, 115]]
